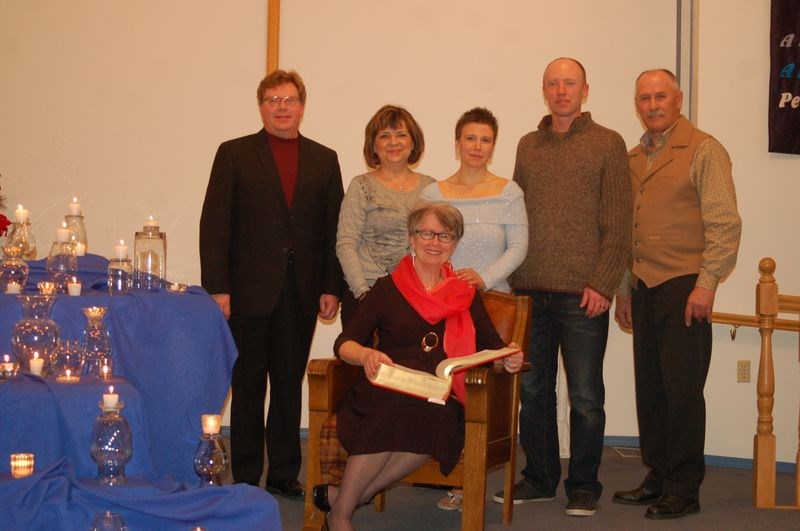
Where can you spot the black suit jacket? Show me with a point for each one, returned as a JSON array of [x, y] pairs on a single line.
[[247, 231]]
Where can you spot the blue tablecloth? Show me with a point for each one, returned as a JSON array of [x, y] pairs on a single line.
[[176, 350], [55, 498], [52, 420]]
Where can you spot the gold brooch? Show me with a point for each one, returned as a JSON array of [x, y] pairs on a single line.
[[430, 341]]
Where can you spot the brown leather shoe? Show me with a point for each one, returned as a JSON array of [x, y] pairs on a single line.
[[670, 506], [639, 496]]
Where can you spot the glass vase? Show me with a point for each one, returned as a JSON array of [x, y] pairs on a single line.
[[13, 269], [120, 276], [210, 460], [62, 265], [96, 343], [77, 231], [35, 332], [20, 235], [108, 521], [111, 445], [150, 257], [68, 356]]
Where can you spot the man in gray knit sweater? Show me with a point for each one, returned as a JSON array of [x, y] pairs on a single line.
[[574, 173]]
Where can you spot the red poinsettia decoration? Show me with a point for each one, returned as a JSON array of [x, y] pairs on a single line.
[[4, 224]]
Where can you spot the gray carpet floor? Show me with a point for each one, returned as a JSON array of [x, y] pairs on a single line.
[[726, 504]]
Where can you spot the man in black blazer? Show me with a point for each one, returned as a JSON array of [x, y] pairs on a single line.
[[267, 254]]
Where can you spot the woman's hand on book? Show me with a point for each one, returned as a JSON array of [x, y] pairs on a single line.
[[513, 363], [372, 360]]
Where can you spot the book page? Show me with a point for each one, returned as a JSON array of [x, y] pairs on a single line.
[[412, 382], [451, 365]]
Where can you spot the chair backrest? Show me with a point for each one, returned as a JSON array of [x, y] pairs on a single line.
[[510, 316]]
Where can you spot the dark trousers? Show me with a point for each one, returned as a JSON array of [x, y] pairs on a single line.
[[349, 306], [671, 363], [557, 322], [274, 346]]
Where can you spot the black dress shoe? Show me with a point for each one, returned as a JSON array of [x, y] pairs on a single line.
[[638, 496], [288, 488], [319, 495], [671, 506]]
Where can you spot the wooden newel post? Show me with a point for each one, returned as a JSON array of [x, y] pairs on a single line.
[[764, 440]]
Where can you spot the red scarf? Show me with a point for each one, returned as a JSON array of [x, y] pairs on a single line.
[[450, 300]]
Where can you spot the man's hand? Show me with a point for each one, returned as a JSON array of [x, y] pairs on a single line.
[[699, 305], [328, 306], [622, 312], [594, 302], [223, 300]]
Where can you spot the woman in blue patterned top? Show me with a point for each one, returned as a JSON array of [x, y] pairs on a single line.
[[495, 239]]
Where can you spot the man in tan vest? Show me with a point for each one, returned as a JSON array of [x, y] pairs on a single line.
[[685, 239]]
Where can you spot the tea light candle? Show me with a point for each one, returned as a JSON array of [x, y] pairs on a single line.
[[46, 288], [13, 288], [211, 424], [80, 249], [151, 222], [74, 207], [21, 214], [121, 250], [21, 465], [74, 287], [105, 372], [68, 377], [37, 364], [62, 233], [110, 398], [7, 365]]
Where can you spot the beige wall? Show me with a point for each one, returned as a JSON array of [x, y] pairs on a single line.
[[124, 103]]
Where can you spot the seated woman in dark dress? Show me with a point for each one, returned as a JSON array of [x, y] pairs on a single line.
[[422, 314]]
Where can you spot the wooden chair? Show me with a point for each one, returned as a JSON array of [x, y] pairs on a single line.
[[491, 412]]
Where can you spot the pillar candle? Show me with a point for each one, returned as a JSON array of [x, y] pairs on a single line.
[[110, 398], [74, 207], [121, 250], [13, 288], [74, 287], [37, 364], [21, 214], [62, 233]]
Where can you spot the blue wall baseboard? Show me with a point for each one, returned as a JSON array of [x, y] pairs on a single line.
[[633, 442], [711, 460]]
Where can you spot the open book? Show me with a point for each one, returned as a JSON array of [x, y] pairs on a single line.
[[434, 388]]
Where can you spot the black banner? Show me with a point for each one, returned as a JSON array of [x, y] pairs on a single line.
[[784, 80]]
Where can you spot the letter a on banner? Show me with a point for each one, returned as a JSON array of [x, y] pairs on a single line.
[[784, 81]]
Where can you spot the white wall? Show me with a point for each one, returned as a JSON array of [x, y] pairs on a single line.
[[733, 101], [124, 103]]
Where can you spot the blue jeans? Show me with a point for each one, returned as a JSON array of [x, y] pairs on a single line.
[[558, 321]]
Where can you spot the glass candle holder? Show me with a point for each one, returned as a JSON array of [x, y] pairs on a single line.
[[96, 342], [8, 368], [21, 465], [210, 460], [112, 443], [108, 521], [120, 276]]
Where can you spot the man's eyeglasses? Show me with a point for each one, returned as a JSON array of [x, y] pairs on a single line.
[[288, 101], [444, 237]]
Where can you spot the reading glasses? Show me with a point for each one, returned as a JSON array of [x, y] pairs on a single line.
[[444, 237], [288, 101]]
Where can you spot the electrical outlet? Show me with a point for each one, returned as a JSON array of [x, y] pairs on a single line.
[[743, 371]]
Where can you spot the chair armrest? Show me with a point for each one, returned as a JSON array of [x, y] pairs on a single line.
[[329, 379]]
